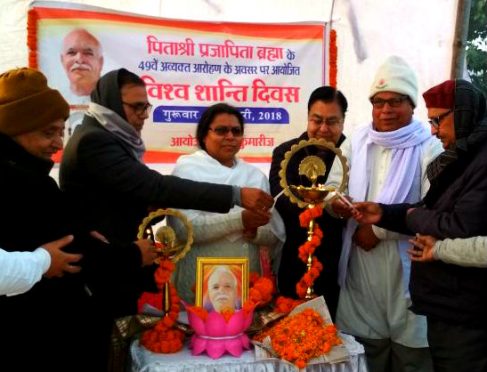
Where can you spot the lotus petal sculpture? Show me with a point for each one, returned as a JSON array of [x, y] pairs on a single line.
[[216, 336]]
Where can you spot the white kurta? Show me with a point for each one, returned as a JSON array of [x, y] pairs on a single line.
[[373, 300], [221, 235], [19, 271]]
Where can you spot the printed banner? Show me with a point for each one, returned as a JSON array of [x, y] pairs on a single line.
[[267, 71]]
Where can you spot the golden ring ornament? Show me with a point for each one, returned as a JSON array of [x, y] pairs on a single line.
[[311, 166], [170, 247]]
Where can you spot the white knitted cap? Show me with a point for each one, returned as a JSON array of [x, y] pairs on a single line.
[[396, 76]]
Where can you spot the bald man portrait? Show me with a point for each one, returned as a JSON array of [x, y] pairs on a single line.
[[82, 60]]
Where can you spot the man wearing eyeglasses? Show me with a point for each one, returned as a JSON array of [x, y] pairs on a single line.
[[388, 160], [450, 294], [326, 116], [111, 190]]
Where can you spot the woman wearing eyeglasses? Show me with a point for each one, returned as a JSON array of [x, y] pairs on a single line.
[[111, 190], [238, 233]]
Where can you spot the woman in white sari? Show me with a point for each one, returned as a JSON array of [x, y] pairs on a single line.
[[238, 233]]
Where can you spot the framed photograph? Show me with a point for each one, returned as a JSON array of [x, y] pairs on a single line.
[[222, 282]]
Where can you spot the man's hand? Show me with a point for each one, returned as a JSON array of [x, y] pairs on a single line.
[[367, 212], [249, 235], [341, 209], [422, 249], [61, 261], [365, 238], [253, 220], [147, 251], [256, 200]]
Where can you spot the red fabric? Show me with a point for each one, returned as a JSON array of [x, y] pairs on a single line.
[[441, 96]]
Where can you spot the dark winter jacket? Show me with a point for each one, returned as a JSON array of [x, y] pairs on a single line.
[[454, 207], [112, 191], [55, 323]]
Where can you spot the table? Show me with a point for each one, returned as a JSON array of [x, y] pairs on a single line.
[[144, 360]]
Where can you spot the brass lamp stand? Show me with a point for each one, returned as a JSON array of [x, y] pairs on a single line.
[[170, 245], [311, 167]]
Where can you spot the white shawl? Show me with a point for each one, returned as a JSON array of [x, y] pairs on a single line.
[[200, 166], [405, 144]]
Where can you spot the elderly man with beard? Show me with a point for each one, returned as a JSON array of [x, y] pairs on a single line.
[[82, 60], [222, 290]]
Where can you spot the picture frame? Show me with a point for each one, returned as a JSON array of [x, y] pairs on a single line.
[[222, 283]]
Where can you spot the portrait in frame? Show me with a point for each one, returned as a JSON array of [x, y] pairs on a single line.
[[222, 283]]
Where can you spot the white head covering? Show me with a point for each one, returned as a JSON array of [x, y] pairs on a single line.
[[395, 75]]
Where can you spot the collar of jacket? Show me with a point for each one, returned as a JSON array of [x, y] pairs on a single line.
[[14, 155]]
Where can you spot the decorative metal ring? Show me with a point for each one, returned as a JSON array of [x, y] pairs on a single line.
[[148, 221], [322, 144]]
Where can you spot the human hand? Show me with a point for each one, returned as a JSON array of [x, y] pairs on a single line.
[[422, 249], [256, 200], [410, 210], [249, 234], [367, 212], [342, 208], [365, 238], [147, 251], [252, 220], [61, 261]]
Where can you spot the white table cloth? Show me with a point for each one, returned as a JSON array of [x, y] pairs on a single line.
[[144, 360]]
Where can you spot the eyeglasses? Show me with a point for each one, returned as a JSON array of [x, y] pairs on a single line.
[[329, 121], [140, 107], [436, 120], [393, 102], [223, 131]]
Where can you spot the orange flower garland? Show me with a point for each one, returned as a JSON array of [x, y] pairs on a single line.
[[163, 338], [285, 304], [308, 248], [198, 311], [333, 56], [32, 20], [301, 337]]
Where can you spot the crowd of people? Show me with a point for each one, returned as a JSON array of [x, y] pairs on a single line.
[[404, 267]]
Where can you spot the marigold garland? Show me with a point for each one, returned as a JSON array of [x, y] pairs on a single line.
[[309, 214], [301, 337], [285, 304], [199, 311], [32, 19], [308, 248], [163, 338], [333, 56]]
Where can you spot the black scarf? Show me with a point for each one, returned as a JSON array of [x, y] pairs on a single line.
[[107, 93], [470, 123]]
